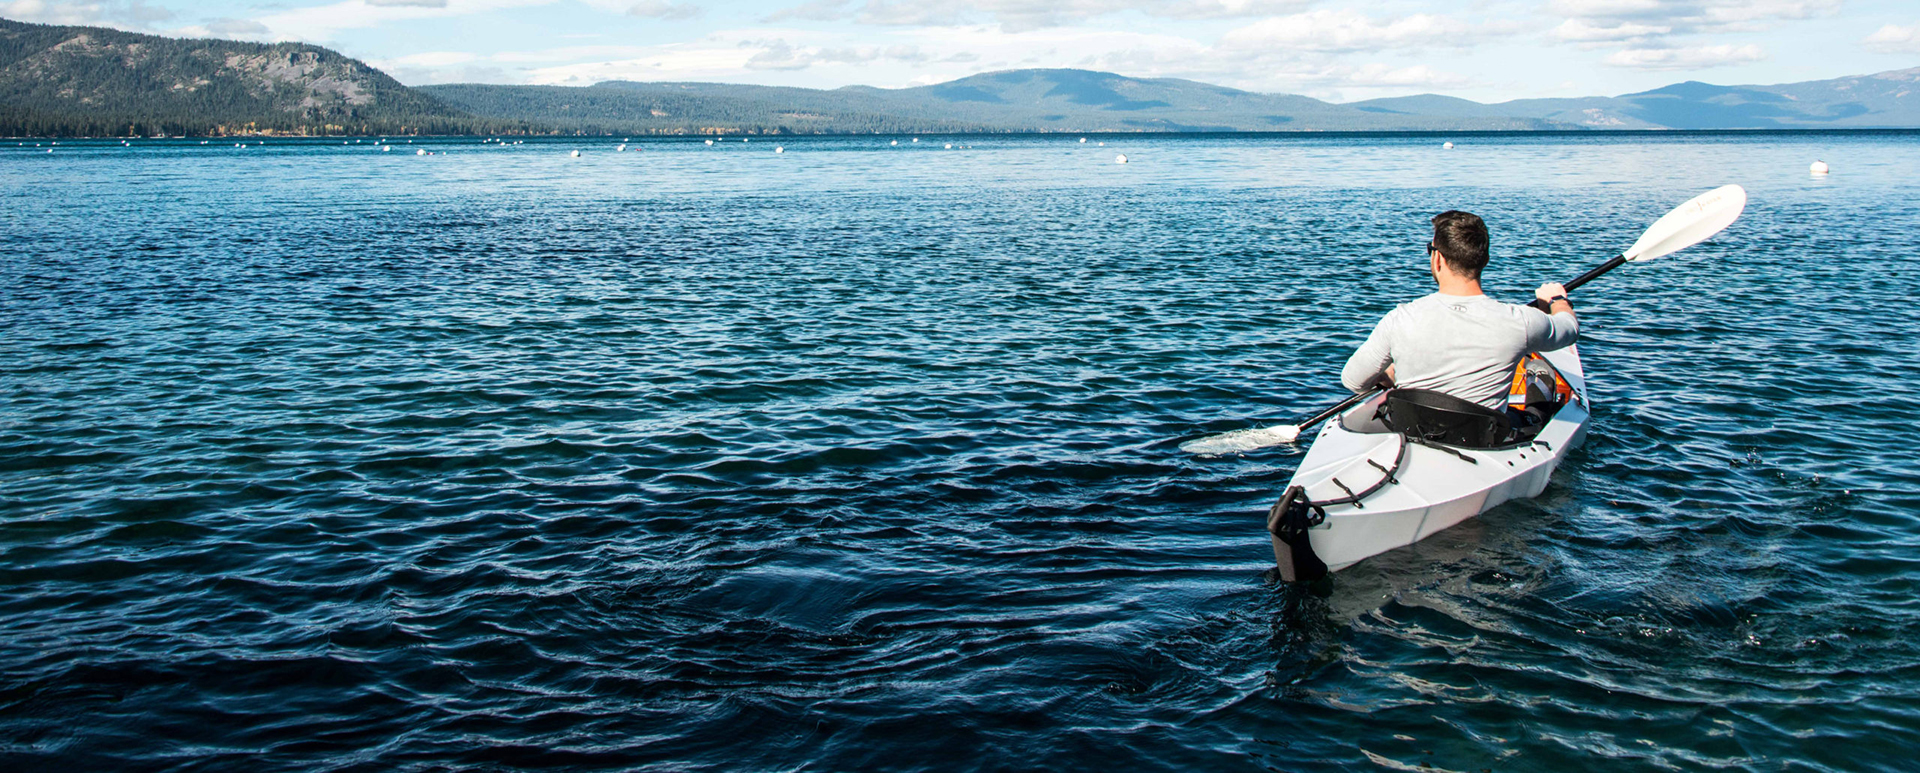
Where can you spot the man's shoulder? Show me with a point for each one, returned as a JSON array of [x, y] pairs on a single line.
[[1479, 306], [1443, 300]]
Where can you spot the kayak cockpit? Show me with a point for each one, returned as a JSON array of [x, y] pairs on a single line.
[[1537, 393]]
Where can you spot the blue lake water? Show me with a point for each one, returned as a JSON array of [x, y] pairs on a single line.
[[863, 457]]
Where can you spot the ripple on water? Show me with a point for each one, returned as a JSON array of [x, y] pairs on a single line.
[[858, 460]]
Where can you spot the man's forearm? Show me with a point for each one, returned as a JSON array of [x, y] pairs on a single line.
[[1365, 368]]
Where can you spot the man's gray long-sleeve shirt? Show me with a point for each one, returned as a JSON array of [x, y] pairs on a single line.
[[1463, 345]]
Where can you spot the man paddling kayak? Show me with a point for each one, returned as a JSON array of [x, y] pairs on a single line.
[[1458, 341]]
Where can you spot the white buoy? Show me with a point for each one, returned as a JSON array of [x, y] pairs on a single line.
[[916, 139], [576, 154], [893, 143], [1083, 140], [746, 139], [1447, 145], [778, 149], [420, 152], [949, 146], [709, 142], [1818, 168], [1120, 159], [621, 149], [386, 148], [1103, 144]]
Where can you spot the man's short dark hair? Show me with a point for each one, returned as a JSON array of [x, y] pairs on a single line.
[[1461, 238]]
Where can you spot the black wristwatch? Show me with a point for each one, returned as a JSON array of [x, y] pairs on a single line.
[[1557, 299]]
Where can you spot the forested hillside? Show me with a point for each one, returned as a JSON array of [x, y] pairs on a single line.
[[67, 81]]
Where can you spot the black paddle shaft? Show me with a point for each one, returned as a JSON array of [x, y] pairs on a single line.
[[1595, 274], [1344, 404], [1583, 279]]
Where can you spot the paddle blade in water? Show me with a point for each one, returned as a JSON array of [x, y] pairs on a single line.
[[1703, 216], [1241, 441]]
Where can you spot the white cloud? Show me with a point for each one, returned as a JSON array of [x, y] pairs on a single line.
[[437, 67], [134, 15], [1583, 31], [1691, 58], [1377, 75], [430, 59], [816, 10], [409, 3], [322, 23], [661, 9], [1615, 9], [1023, 15], [421, 76], [1664, 34], [233, 28], [567, 54], [1221, 9], [778, 56], [1894, 39], [1346, 31], [1681, 17], [42, 12], [923, 13]]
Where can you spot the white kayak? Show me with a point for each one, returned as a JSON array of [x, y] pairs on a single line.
[[1368, 489]]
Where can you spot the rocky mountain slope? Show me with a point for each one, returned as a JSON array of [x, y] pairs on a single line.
[[92, 81]]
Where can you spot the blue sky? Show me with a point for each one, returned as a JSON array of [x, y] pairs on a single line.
[[1486, 50]]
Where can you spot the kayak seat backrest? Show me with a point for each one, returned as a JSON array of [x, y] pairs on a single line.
[[1437, 417]]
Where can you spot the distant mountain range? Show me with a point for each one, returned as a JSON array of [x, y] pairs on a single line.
[[66, 81], [1015, 100], [1084, 101], [1885, 100]]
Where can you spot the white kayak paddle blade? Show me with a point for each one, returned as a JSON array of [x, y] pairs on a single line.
[[1690, 223], [1242, 441]]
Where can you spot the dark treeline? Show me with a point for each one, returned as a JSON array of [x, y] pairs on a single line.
[[27, 123]]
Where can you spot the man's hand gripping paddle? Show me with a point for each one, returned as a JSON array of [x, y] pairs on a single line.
[[1688, 224]]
